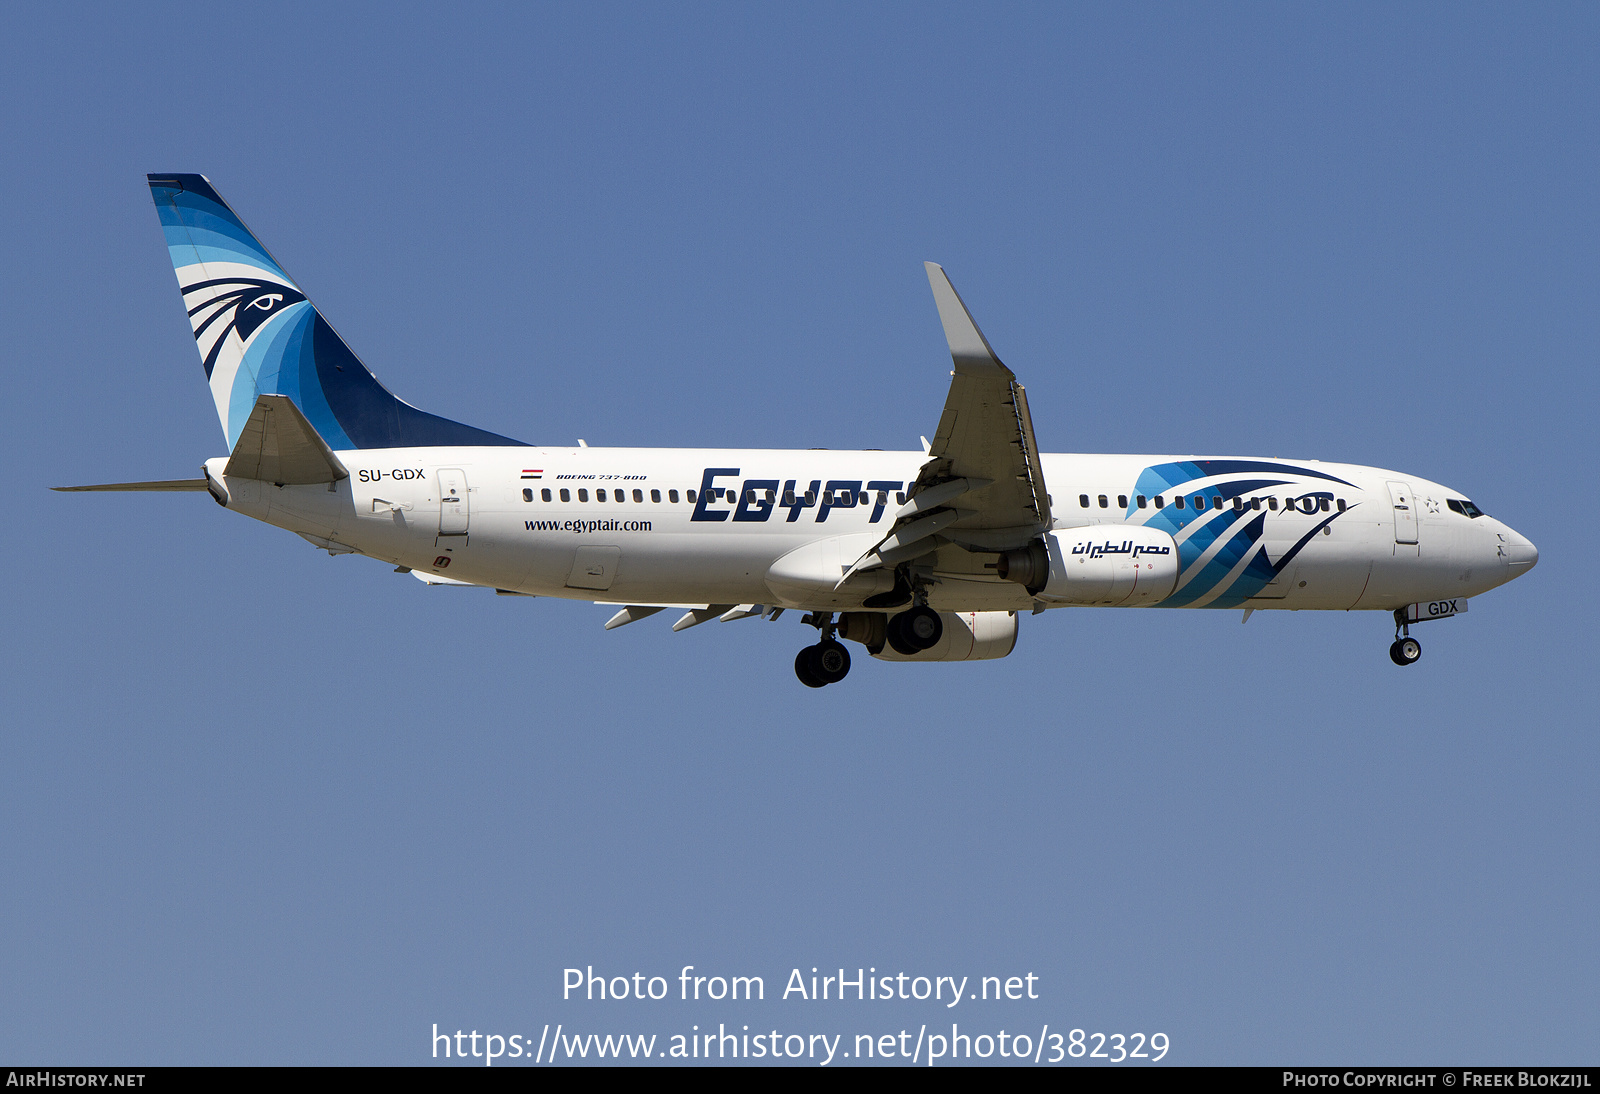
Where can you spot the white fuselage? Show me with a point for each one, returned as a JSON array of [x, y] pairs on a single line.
[[1344, 526]]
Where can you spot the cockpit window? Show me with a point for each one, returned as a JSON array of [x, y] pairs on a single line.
[[1464, 507]]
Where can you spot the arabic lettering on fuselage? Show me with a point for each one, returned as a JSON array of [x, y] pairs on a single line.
[[1126, 547]]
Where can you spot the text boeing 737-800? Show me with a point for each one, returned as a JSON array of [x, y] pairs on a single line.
[[918, 556]]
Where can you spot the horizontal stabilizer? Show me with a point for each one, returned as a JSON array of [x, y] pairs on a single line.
[[162, 486], [278, 445]]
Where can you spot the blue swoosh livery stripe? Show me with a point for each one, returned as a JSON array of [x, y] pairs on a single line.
[[291, 349], [1205, 525]]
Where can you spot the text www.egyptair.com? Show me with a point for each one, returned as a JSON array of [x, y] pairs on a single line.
[[582, 526], [902, 1046]]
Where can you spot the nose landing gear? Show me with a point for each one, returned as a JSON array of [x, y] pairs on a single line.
[[1405, 650], [828, 661]]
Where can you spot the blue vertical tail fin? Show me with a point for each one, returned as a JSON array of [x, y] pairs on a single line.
[[259, 335]]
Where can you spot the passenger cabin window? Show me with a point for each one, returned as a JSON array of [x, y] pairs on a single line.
[[583, 494], [1272, 503], [544, 494], [1103, 503], [1161, 502], [1122, 501], [1255, 503], [566, 495], [900, 498], [599, 495], [527, 495], [1216, 501], [672, 496], [1341, 505], [1178, 501], [1083, 500], [638, 495], [689, 494], [1199, 501], [1322, 503], [655, 496], [1141, 500]]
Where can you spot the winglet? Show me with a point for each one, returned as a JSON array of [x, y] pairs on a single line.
[[278, 445], [968, 347]]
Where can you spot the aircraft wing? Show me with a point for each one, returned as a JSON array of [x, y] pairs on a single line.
[[982, 485]]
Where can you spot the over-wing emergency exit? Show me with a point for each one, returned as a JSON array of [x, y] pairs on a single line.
[[917, 556]]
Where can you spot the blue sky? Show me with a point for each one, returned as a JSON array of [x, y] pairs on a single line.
[[260, 805]]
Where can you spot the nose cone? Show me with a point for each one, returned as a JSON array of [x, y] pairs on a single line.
[[1519, 553]]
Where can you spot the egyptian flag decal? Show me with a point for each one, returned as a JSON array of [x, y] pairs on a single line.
[[533, 473]]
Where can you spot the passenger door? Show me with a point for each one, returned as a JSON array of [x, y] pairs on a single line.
[[453, 504], [1405, 512]]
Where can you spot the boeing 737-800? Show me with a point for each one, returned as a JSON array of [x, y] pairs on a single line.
[[918, 556]]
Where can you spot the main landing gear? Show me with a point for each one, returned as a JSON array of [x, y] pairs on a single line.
[[915, 630], [909, 632], [1406, 650], [828, 661]]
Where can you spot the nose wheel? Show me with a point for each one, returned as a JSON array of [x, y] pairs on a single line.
[[1405, 651]]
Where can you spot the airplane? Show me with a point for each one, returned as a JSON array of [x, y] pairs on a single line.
[[916, 556]]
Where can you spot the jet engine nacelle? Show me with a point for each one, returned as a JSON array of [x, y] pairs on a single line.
[[1105, 564], [968, 636]]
